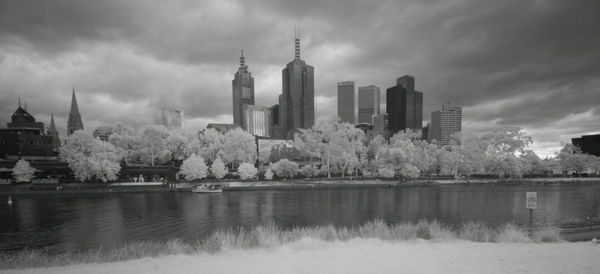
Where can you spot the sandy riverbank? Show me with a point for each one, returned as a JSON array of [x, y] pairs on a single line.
[[366, 256]]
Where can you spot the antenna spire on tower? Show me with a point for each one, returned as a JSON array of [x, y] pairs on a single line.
[[297, 42]]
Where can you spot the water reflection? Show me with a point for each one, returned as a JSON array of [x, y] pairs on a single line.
[[72, 222]]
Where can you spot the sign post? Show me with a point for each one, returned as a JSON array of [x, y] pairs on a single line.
[[531, 204]]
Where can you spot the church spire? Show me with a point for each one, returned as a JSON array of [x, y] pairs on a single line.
[[74, 122], [19, 101], [54, 133]]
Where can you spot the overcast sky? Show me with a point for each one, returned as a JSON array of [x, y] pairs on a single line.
[[532, 64]]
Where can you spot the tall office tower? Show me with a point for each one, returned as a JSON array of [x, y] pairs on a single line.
[[404, 106], [297, 101], [258, 120], [345, 102], [444, 124], [243, 92], [74, 123], [381, 125], [368, 103]]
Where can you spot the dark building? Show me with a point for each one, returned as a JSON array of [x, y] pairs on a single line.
[[404, 106], [345, 101], [243, 92], [74, 123], [23, 136], [589, 144], [297, 101], [103, 133]]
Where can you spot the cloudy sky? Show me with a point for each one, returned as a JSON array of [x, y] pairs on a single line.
[[533, 64]]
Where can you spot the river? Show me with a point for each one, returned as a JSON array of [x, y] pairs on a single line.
[[68, 223]]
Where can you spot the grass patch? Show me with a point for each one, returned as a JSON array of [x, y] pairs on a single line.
[[271, 235], [511, 233]]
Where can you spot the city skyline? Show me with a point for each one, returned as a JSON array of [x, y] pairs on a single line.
[[542, 77]]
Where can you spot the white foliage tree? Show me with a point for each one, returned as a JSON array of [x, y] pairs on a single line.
[[269, 174], [211, 144], [90, 158], [247, 171], [126, 138], [239, 146], [153, 145], [23, 172], [285, 168], [218, 169], [193, 168]]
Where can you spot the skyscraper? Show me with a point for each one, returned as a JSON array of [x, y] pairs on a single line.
[[243, 92], [297, 101], [404, 106], [345, 102], [368, 103], [170, 118], [258, 120], [381, 125], [444, 124], [74, 123]]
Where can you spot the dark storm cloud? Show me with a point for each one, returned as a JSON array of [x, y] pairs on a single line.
[[533, 64]]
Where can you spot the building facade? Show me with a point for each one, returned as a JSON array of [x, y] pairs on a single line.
[[444, 124], [170, 118], [368, 103], [345, 101], [404, 106], [258, 120], [297, 101], [23, 136], [103, 133], [74, 123], [381, 125], [589, 144], [243, 92]]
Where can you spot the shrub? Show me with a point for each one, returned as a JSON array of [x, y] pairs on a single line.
[[476, 232], [386, 172], [218, 169], [23, 172], [193, 168], [269, 174], [309, 171], [547, 235], [511, 233], [247, 171], [285, 168]]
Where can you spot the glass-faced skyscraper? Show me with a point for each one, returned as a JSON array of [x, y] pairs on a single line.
[[243, 92], [345, 102], [404, 106], [297, 100], [368, 103]]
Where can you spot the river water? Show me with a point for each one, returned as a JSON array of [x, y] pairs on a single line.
[[66, 223]]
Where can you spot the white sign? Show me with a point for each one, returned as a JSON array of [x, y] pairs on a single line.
[[531, 200]]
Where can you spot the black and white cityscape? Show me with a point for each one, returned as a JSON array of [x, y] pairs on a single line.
[[291, 136]]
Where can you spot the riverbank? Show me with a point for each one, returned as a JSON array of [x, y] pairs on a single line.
[[366, 256], [294, 184]]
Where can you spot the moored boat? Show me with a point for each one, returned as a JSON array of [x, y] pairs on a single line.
[[207, 188]]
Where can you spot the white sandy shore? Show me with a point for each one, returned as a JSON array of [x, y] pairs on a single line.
[[367, 256]]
